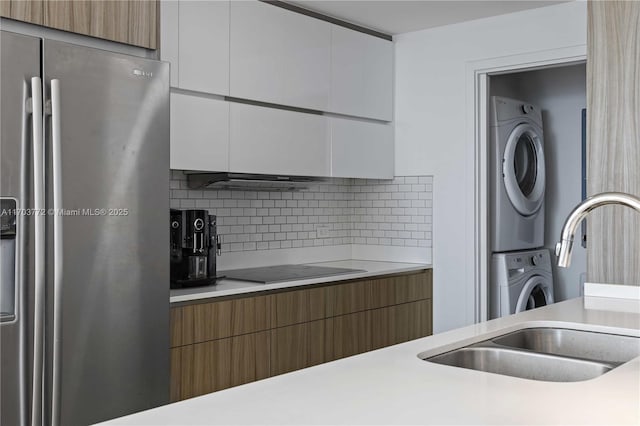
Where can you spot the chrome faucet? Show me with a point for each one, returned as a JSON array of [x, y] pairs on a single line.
[[564, 247]]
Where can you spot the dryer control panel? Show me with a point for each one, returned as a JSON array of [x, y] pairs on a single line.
[[506, 109]]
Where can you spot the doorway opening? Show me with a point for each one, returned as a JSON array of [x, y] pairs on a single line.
[[560, 94], [554, 81]]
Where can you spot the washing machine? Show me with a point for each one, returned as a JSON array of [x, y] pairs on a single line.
[[517, 175], [520, 281]]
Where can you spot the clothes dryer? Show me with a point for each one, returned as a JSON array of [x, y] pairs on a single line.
[[520, 281], [517, 175]]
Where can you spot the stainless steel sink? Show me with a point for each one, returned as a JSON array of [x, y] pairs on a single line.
[[574, 343], [548, 354], [527, 365]]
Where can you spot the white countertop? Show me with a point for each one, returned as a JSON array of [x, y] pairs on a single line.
[[392, 386], [231, 287]]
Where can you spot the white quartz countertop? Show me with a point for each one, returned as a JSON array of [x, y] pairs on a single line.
[[393, 386], [226, 287]]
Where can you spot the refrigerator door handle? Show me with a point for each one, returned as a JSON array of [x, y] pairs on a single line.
[[39, 250], [20, 255], [57, 249]]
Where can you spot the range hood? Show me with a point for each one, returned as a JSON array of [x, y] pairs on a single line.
[[249, 181]]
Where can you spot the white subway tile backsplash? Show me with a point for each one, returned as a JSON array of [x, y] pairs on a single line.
[[394, 212]]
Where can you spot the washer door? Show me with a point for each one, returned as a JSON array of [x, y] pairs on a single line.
[[523, 169], [535, 293]]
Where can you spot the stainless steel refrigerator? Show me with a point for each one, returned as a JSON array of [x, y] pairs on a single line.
[[84, 207]]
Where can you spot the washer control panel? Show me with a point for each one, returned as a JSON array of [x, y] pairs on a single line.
[[522, 262]]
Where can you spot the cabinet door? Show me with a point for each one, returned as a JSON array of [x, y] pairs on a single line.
[[170, 36], [279, 56], [400, 323], [142, 23], [199, 133], [20, 10], [293, 307], [361, 149], [132, 22], [346, 298], [203, 46], [201, 322], [175, 356], [275, 141], [351, 334], [381, 292], [361, 74], [409, 288], [289, 348], [219, 364], [299, 346]]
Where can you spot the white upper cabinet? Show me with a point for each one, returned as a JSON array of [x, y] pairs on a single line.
[[361, 74], [279, 56], [169, 37], [361, 149], [275, 141], [265, 54], [199, 137], [195, 40]]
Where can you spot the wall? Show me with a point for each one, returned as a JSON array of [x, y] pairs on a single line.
[[613, 141], [432, 129], [386, 214], [561, 95]]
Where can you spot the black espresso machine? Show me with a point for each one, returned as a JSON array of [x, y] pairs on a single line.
[[194, 247]]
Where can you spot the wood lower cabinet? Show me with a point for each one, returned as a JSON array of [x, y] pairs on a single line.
[[203, 322], [219, 364], [125, 21], [351, 334], [400, 323], [220, 344], [290, 348]]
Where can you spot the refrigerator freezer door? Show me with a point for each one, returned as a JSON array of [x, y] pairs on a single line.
[[20, 59], [109, 328]]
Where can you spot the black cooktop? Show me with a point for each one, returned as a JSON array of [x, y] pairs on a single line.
[[280, 273]]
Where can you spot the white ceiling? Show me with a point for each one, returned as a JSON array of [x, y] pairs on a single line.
[[402, 16]]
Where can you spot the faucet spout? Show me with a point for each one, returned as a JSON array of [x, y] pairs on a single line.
[[565, 246]]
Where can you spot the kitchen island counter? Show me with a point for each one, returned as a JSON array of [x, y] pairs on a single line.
[[226, 287], [393, 386]]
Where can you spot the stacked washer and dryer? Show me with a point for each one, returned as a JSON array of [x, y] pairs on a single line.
[[521, 275]]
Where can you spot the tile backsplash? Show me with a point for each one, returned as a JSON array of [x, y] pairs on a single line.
[[338, 211]]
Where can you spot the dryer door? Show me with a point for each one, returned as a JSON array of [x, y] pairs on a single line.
[[535, 293], [523, 169]]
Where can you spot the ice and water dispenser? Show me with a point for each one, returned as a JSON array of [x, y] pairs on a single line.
[[7, 259]]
